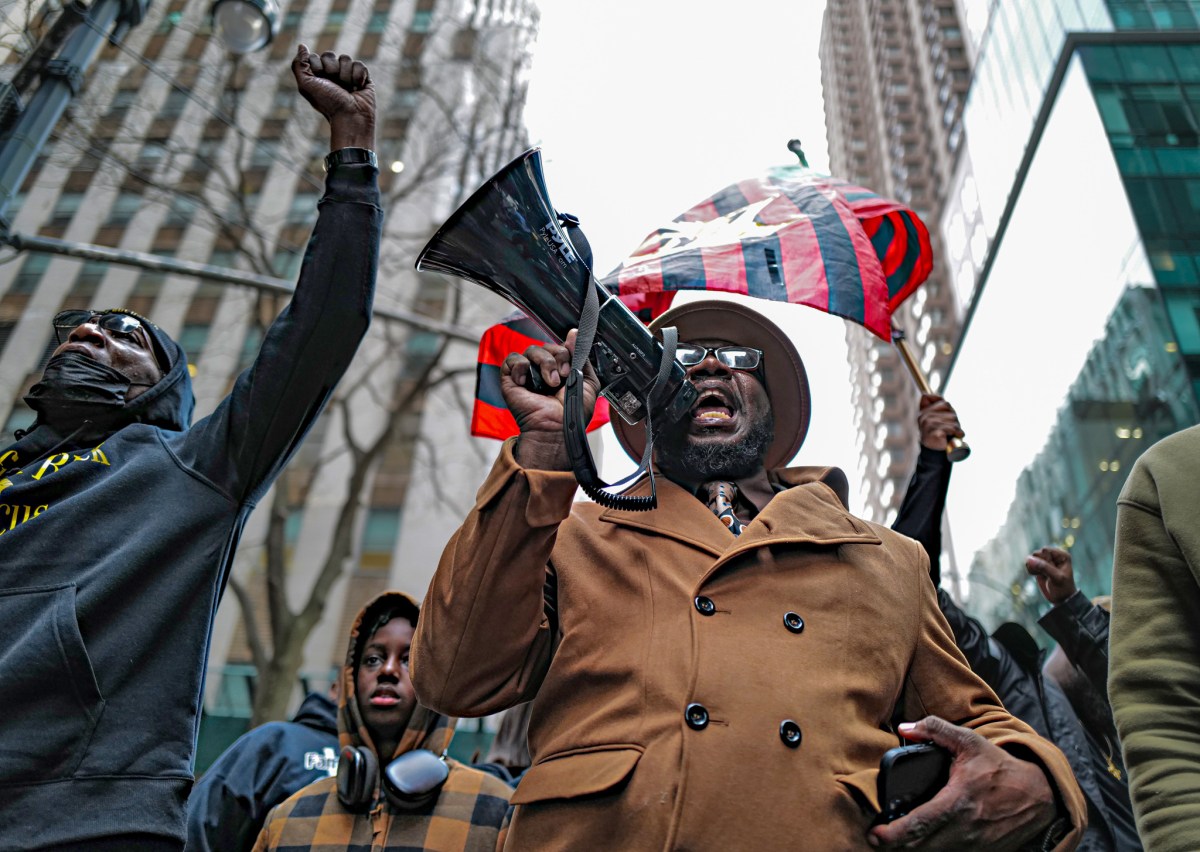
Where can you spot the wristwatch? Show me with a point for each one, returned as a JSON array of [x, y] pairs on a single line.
[[350, 157]]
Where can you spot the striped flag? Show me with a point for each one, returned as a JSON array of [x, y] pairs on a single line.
[[490, 417], [791, 236]]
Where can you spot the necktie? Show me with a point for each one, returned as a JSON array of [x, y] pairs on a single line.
[[721, 497]]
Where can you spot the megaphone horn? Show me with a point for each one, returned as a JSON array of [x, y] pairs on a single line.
[[507, 237]]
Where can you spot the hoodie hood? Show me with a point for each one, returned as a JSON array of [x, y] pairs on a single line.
[[167, 405], [317, 712], [426, 729]]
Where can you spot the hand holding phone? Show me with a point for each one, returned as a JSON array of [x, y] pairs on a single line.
[[909, 776]]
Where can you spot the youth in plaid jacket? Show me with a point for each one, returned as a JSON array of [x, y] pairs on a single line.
[[470, 814]]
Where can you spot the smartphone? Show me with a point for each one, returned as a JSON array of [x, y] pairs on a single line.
[[910, 776]]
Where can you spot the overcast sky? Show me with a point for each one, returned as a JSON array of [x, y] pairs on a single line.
[[644, 108]]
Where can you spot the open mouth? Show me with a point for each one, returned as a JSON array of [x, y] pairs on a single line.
[[713, 408]]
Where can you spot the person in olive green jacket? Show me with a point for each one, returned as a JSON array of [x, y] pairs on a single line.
[[1154, 681]]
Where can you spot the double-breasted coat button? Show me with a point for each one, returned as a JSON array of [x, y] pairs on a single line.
[[696, 716], [789, 732], [793, 622], [705, 606]]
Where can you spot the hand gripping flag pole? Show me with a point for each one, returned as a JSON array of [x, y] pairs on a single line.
[[956, 448]]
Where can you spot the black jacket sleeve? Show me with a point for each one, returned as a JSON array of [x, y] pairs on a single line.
[[920, 518], [220, 819], [228, 805], [920, 515], [1081, 628], [241, 447]]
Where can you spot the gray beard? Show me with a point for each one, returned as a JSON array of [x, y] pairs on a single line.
[[705, 462]]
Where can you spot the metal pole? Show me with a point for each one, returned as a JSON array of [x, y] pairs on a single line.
[[956, 448], [61, 81], [171, 265]]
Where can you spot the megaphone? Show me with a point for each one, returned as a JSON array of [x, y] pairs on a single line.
[[507, 237]]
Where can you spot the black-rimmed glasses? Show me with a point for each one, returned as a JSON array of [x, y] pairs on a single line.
[[733, 357]]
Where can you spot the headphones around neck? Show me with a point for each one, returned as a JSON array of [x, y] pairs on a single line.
[[411, 783]]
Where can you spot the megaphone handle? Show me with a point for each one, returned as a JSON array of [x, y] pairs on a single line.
[[535, 382]]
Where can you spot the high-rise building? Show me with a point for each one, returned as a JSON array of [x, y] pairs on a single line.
[[1073, 245], [894, 74], [174, 147]]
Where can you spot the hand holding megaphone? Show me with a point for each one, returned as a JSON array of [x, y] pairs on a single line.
[[533, 386], [509, 238]]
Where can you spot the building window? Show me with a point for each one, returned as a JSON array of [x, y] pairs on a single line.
[[303, 208], [192, 338], [264, 153], [421, 22], [182, 211], [152, 153], [87, 282], [21, 417], [124, 208], [380, 531], [378, 22], [122, 101], [404, 101], [174, 104], [250, 347], [31, 273], [287, 264], [66, 207]]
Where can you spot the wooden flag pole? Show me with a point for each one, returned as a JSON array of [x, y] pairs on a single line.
[[956, 448]]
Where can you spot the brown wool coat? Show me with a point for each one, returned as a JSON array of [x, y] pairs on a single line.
[[615, 765]]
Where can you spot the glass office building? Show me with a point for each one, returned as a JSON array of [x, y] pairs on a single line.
[[1073, 241]]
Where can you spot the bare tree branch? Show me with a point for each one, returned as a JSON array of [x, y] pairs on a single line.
[[258, 653], [277, 605]]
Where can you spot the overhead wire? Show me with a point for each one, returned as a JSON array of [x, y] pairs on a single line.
[[91, 149], [217, 113]]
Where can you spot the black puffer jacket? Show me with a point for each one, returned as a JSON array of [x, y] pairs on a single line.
[[229, 804], [1011, 662]]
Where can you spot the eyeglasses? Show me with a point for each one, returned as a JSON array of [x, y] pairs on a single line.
[[116, 323], [733, 357]]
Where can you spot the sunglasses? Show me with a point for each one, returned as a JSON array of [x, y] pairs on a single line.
[[118, 324], [733, 357]]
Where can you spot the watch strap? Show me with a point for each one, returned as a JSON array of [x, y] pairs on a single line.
[[350, 157]]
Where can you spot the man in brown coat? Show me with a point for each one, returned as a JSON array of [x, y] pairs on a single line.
[[726, 677]]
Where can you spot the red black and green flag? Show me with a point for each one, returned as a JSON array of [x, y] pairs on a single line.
[[793, 235]]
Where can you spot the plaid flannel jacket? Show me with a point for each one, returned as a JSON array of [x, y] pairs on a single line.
[[466, 818]]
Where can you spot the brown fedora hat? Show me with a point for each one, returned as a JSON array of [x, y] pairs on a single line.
[[786, 381]]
